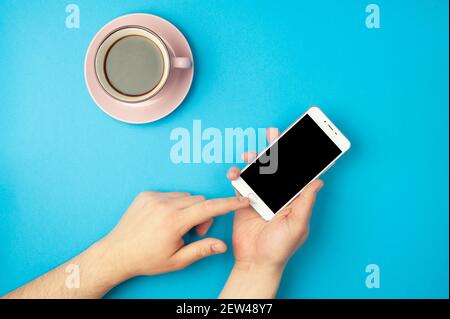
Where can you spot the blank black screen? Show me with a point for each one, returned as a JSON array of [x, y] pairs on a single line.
[[303, 152]]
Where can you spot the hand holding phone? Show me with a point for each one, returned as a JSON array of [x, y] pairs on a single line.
[[285, 232], [263, 248], [309, 147]]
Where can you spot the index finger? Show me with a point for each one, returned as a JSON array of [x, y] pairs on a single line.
[[211, 208], [272, 133]]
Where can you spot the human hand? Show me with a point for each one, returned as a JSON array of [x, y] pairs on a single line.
[[258, 241], [262, 248], [148, 239]]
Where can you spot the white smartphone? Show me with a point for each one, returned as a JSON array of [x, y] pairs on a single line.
[[308, 147]]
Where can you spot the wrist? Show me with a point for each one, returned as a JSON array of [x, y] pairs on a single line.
[[253, 280], [258, 267], [110, 270]]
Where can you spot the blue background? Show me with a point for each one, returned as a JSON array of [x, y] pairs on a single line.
[[68, 171]]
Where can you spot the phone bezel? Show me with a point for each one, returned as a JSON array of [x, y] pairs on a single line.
[[332, 132]]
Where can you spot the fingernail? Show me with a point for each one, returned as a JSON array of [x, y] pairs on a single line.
[[244, 199], [233, 173], [320, 187], [218, 248]]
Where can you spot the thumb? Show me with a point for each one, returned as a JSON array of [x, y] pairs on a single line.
[[302, 206], [199, 250]]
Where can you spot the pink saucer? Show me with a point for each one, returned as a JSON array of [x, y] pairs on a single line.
[[166, 100]]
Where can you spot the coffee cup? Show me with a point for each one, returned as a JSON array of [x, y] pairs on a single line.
[[133, 64]]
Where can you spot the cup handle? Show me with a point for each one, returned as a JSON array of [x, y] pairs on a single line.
[[181, 62]]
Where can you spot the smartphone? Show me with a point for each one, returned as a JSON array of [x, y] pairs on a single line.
[[308, 148]]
